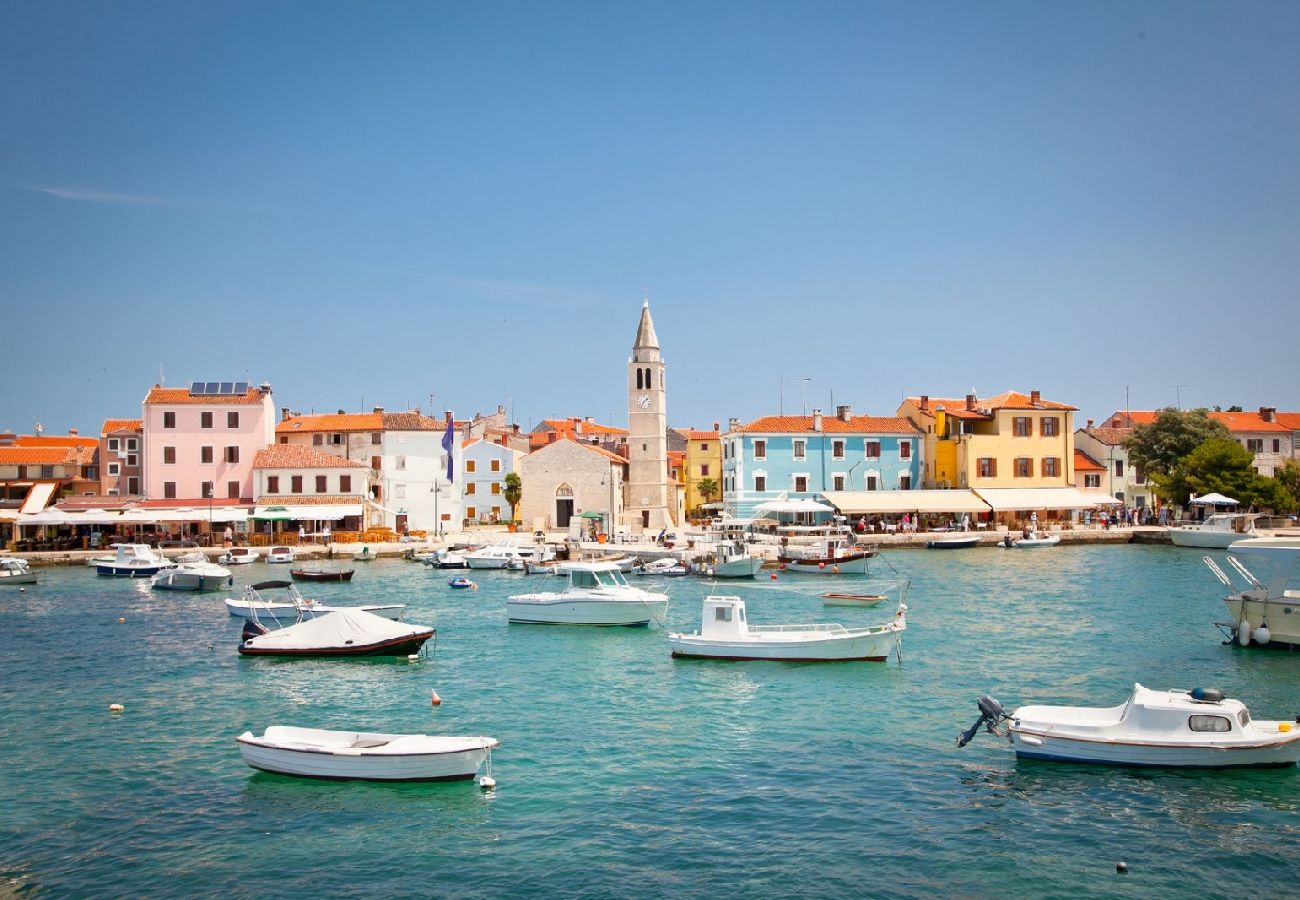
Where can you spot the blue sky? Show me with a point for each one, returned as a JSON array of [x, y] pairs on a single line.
[[369, 204]]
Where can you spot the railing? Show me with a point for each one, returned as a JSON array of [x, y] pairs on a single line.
[[825, 628]]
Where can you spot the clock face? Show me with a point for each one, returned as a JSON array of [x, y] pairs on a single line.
[[643, 401]]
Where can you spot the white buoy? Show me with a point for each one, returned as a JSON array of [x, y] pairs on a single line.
[[1243, 633], [413, 657], [1263, 635], [487, 782], [116, 707], [121, 619]]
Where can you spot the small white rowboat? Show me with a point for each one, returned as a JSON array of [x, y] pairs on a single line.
[[315, 753]]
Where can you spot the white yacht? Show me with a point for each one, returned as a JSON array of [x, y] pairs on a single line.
[[193, 572], [133, 560], [1216, 532], [597, 594], [500, 556], [1265, 612]]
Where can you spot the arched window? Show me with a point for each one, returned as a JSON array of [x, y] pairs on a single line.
[[647, 378], [639, 379]]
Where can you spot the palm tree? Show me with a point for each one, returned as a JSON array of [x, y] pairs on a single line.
[[514, 492], [706, 488]]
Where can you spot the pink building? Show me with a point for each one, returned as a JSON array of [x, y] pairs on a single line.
[[201, 441], [121, 448]]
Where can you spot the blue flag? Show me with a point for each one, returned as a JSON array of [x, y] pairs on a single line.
[[449, 441]]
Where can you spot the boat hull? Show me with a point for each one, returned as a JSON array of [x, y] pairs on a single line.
[[185, 581], [304, 575], [1282, 616], [118, 570], [1058, 748], [1206, 540], [853, 599], [864, 648], [453, 766], [22, 578], [961, 543], [404, 646], [854, 564], [737, 568], [630, 613]]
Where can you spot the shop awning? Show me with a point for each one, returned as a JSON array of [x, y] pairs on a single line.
[[854, 503], [324, 512], [1009, 499], [38, 497]]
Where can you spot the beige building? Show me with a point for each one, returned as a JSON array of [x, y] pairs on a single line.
[[565, 479]]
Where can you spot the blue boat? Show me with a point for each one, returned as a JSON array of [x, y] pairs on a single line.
[[460, 581]]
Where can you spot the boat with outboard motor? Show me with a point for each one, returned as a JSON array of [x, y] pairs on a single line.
[[725, 634], [193, 572], [956, 541], [14, 570], [1200, 728], [358, 755], [833, 553], [1265, 613], [596, 594], [500, 556], [239, 556], [667, 567], [343, 632], [256, 603], [1030, 540], [134, 561]]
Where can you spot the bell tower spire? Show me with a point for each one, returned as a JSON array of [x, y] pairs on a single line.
[[647, 489]]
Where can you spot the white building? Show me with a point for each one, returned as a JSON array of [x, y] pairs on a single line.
[[484, 466], [306, 485]]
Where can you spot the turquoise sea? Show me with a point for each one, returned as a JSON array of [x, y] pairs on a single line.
[[625, 773]]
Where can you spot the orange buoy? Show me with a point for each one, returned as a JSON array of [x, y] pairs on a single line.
[[835, 569], [437, 701], [773, 576]]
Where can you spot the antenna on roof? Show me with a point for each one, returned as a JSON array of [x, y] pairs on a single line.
[[162, 379]]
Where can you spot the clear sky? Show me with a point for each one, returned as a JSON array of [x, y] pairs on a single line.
[[366, 204]]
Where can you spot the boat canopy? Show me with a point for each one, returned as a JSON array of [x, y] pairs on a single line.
[[339, 629], [1009, 499], [1215, 499], [925, 501]]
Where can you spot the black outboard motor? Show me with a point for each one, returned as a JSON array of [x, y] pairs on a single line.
[[252, 629], [991, 716]]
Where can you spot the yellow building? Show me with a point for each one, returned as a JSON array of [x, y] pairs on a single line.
[[703, 462], [1012, 440]]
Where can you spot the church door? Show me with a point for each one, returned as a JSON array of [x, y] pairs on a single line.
[[563, 511]]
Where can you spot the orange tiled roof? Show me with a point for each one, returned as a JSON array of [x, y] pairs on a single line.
[[54, 440], [1246, 421], [1112, 436], [594, 448], [370, 421], [1085, 463], [568, 427], [832, 425], [161, 396], [411, 421], [1004, 400], [111, 425], [39, 456], [1135, 417], [703, 436], [299, 456], [1290, 419]]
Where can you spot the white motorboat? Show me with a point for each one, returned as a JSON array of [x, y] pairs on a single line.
[[667, 567], [828, 555], [239, 556], [365, 554], [1031, 541], [597, 594], [1265, 613], [447, 559], [15, 571], [500, 556], [626, 564], [344, 632], [315, 753], [280, 554], [293, 606], [134, 561], [958, 541], [1195, 729], [1217, 532], [731, 561], [725, 634], [193, 572]]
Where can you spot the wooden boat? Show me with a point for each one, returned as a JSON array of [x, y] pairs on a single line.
[[953, 542], [344, 632], [725, 634], [1185, 729], [315, 753], [834, 599], [321, 575]]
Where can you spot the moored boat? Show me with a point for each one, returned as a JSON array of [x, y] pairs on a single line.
[[834, 554], [953, 542], [239, 556], [192, 572], [833, 598], [322, 574], [292, 606], [280, 554], [1031, 540], [342, 633], [1217, 532], [460, 582], [597, 594], [1200, 728], [726, 634], [732, 561], [134, 561], [1266, 612], [316, 753], [14, 570]]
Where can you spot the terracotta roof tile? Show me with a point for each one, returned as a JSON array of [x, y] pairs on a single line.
[[569, 427], [594, 448], [703, 436], [1112, 436], [161, 396], [111, 425], [1085, 463], [1247, 421], [411, 421], [1004, 400], [299, 456], [1290, 419], [28, 456], [370, 421], [54, 440], [832, 425]]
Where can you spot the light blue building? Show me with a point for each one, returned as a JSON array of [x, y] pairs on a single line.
[[803, 456]]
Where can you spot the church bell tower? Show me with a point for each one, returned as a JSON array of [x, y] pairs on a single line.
[[647, 498]]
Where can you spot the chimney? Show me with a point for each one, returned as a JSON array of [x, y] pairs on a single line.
[[1268, 413], [265, 387], [446, 416], [970, 402], [8, 438], [588, 419], [716, 423], [733, 424], [379, 410], [1089, 428], [342, 413], [284, 413], [1035, 398], [515, 428], [817, 420], [844, 413], [925, 403], [72, 432]]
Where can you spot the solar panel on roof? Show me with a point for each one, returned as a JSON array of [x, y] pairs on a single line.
[[196, 388], [213, 386], [227, 386], [241, 387]]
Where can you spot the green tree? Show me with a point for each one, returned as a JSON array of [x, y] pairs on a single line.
[[707, 488], [514, 492], [1223, 465], [1289, 477], [1159, 448]]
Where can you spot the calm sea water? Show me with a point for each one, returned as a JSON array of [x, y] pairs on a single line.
[[625, 773]]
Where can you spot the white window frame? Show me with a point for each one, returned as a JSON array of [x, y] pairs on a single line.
[[794, 476], [113, 444], [114, 469], [760, 448], [839, 446], [799, 449]]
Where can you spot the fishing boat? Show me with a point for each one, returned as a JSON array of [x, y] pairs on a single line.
[[280, 554], [343, 632], [725, 634], [322, 574], [193, 572], [833, 554], [957, 541], [357, 755], [1265, 612], [596, 594], [134, 561], [1200, 728], [1032, 540], [15, 571], [460, 582], [732, 561], [256, 604], [1217, 532], [239, 556]]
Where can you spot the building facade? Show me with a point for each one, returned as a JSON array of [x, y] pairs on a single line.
[[565, 479], [703, 464], [799, 457], [485, 466], [310, 485], [121, 450], [1123, 480]]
